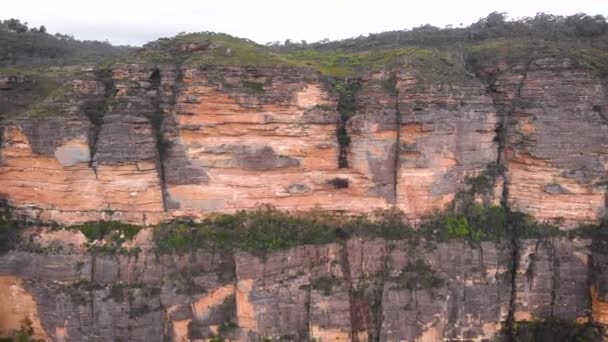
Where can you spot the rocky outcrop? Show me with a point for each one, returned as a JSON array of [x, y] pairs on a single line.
[[355, 290], [146, 143], [242, 137], [447, 134], [90, 155], [555, 140]]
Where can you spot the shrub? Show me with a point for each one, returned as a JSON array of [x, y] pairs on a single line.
[[418, 275], [259, 232], [390, 85], [325, 284], [457, 226], [9, 229], [26, 332], [114, 231], [253, 87]]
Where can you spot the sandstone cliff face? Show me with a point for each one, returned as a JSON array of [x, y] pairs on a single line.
[[147, 143], [245, 137], [355, 290], [447, 134], [555, 140], [64, 166]]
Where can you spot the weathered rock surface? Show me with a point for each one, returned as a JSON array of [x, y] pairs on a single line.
[[447, 134], [555, 140], [356, 290], [244, 137], [147, 143]]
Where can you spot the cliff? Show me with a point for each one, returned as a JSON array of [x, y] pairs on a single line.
[[360, 289], [143, 143], [116, 178]]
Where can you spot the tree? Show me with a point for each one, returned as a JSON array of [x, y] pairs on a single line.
[[496, 19], [15, 25]]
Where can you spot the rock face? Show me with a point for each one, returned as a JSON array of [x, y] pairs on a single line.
[[355, 290], [71, 166], [146, 143], [242, 137], [555, 140], [447, 134]]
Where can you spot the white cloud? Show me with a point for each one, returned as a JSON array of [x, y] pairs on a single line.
[[139, 21]]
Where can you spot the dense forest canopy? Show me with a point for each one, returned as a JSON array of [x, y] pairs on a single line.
[[21, 44]]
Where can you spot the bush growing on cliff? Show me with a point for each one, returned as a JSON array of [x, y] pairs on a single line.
[[253, 87], [8, 233], [25, 333], [325, 284], [259, 232], [475, 223], [385, 224], [267, 229], [112, 233], [418, 275]]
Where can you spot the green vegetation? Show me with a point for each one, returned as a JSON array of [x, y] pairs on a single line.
[[107, 237], [598, 234], [8, 232], [390, 85], [418, 275], [24, 45], [208, 48], [388, 225], [259, 232], [266, 229], [553, 330], [253, 87], [513, 50], [50, 102], [581, 37], [226, 328], [323, 107], [34, 92], [108, 230], [25, 333], [325, 284], [478, 223], [438, 54]]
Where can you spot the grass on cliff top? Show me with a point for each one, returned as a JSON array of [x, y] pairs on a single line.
[[37, 96], [431, 63], [442, 63], [174, 50], [513, 51]]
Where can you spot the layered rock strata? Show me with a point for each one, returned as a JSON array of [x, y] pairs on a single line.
[[148, 143], [355, 290]]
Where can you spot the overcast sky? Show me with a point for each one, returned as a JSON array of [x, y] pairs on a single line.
[[138, 21]]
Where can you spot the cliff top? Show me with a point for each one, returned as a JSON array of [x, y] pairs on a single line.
[[440, 53]]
